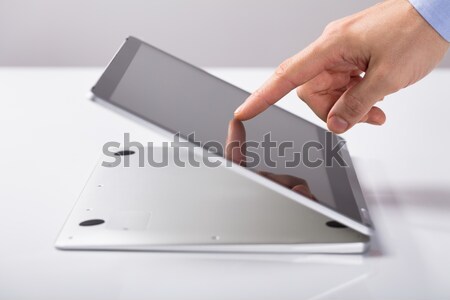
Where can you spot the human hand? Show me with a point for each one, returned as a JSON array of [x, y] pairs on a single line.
[[389, 42]]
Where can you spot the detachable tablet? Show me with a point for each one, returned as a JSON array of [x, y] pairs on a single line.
[[293, 158]]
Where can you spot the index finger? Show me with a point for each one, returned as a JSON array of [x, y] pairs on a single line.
[[292, 73]]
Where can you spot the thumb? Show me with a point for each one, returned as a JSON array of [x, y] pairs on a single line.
[[357, 101]]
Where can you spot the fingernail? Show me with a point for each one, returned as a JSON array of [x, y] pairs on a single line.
[[238, 109], [337, 124]]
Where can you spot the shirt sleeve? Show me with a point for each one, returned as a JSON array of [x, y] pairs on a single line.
[[437, 14]]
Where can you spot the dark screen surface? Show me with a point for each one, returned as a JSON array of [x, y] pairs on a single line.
[[183, 99]]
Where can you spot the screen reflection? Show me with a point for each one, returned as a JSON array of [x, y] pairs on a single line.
[[236, 149]]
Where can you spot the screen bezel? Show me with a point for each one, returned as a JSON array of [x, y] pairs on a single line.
[[118, 66]]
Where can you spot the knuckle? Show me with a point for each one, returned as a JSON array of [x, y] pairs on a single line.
[[259, 92], [323, 45], [354, 106], [332, 28], [281, 70], [341, 31], [338, 28], [335, 36]]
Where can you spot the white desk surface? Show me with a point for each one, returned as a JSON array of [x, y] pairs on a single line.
[[51, 138]]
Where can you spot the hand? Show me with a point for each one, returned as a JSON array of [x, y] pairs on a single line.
[[390, 43]]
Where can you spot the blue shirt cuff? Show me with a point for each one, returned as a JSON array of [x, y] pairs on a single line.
[[437, 14]]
